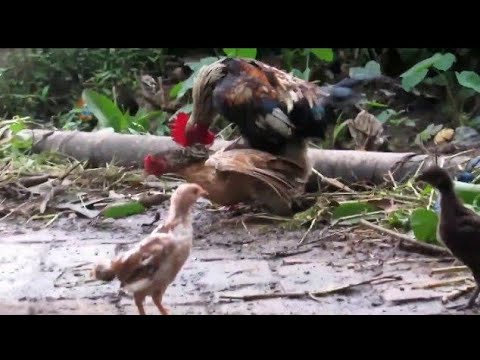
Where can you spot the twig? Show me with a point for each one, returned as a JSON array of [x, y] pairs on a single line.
[[449, 270], [454, 295], [405, 239], [309, 294], [441, 283], [281, 254], [312, 224], [53, 219], [427, 260], [333, 182], [69, 171], [115, 182]]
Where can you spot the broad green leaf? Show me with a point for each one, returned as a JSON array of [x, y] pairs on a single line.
[[430, 131], [444, 62], [413, 79], [352, 208], [370, 70], [385, 115], [241, 52], [297, 73], [323, 54], [105, 111], [467, 192], [422, 65], [424, 225], [417, 73], [186, 85], [175, 90], [16, 127], [399, 219], [121, 210], [469, 79], [197, 65]]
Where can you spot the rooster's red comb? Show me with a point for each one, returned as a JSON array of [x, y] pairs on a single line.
[[200, 134]]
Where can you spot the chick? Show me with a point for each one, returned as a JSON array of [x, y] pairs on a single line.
[[153, 264]]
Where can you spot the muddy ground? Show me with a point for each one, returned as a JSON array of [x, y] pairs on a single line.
[[46, 270]]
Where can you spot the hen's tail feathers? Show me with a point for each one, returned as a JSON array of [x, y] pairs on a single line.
[[346, 90], [103, 271]]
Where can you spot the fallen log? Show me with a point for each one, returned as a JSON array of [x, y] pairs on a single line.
[[105, 146]]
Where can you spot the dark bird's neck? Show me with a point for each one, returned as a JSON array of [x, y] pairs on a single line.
[[450, 204]]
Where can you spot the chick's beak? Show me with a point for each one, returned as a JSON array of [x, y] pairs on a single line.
[[203, 193]]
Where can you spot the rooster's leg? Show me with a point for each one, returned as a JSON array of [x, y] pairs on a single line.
[[139, 302], [157, 299]]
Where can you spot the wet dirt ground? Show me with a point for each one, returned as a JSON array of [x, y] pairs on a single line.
[[46, 270]]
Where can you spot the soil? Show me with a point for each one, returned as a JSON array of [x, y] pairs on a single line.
[[47, 270]]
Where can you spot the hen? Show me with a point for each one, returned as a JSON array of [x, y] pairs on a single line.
[[272, 109], [235, 176], [459, 227], [152, 265]]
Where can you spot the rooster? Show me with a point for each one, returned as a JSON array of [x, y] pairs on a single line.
[[274, 111], [152, 265], [234, 176]]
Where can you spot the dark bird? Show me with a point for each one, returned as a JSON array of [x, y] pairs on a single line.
[[459, 227], [272, 109]]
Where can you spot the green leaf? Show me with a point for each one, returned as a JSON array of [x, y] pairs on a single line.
[[444, 62], [385, 115], [417, 73], [186, 85], [430, 131], [413, 79], [352, 208], [241, 52], [467, 192], [16, 127], [424, 225], [297, 73], [399, 219], [376, 104], [105, 110], [338, 129], [176, 89], [45, 91], [197, 65], [469, 79], [121, 210], [323, 54], [370, 70], [306, 74]]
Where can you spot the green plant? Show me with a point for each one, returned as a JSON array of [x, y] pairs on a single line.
[[321, 54], [45, 82], [459, 87], [110, 116], [11, 143]]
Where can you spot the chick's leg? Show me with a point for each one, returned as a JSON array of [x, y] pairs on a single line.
[[471, 302], [139, 302], [157, 299]]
